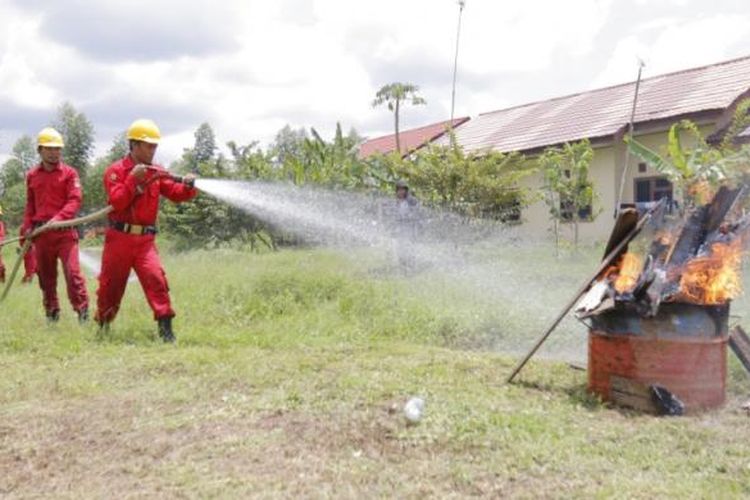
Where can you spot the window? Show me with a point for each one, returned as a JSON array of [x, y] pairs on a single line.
[[652, 189], [642, 168]]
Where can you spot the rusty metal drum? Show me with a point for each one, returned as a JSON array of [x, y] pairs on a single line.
[[683, 349]]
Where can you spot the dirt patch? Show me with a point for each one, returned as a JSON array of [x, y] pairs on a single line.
[[104, 446]]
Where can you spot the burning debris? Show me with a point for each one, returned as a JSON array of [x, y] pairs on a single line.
[[693, 259], [658, 316]]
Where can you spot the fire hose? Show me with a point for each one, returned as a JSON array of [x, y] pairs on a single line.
[[54, 225], [65, 224]]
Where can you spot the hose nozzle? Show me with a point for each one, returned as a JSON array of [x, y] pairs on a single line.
[[189, 182]]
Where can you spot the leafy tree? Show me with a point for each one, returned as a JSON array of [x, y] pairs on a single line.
[[393, 95], [250, 162], [287, 144], [24, 156], [569, 193], [78, 134], [483, 185], [24, 150], [94, 196], [12, 178], [205, 147], [119, 147], [740, 122]]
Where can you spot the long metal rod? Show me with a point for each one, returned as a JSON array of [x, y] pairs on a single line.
[[606, 262], [461, 4], [631, 126]]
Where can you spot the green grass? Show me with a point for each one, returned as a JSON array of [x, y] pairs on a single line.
[[289, 377]]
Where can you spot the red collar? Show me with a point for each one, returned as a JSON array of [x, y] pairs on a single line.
[[57, 166]]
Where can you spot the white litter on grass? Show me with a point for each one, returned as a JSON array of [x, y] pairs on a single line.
[[414, 409]]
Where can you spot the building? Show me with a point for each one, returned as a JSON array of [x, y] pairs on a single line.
[[411, 140], [706, 95]]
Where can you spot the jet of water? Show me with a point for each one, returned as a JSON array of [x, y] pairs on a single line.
[[438, 249]]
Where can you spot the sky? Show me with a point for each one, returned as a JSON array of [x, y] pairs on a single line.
[[249, 67]]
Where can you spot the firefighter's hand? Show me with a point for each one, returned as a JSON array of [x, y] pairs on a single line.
[[139, 171], [189, 180]]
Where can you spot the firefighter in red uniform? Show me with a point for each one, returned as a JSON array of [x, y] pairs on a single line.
[[133, 187], [53, 193], [2, 238]]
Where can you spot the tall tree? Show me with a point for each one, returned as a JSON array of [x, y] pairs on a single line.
[[78, 134], [94, 196], [118, 148], [23, 158], [24, 150], [393, 95], [205, 147], [287, 144], [12, 175]]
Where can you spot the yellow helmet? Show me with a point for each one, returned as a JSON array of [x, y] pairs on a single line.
[[144, 130], [49, 138]]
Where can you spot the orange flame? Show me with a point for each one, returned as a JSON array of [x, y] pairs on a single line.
[[715, 278], [629, 269]]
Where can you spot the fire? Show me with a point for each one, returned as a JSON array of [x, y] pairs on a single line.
[[715, 278], [629, 269]]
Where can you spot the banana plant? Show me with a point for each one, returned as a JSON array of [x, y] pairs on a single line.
[[695, 173]]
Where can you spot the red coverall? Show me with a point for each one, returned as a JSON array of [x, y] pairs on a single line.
[[135, 203], [2, 266], [55, 195]]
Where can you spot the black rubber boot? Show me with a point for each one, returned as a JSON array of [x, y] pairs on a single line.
[[83, 315], [165, 330], [53, 316]]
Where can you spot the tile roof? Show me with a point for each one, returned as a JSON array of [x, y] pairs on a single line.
[[411, 139], [602, 112]]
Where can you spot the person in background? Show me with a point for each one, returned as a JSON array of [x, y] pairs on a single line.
[[406, 225], [53, 193]]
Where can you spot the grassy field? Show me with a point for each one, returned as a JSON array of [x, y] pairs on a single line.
[[290, 373]]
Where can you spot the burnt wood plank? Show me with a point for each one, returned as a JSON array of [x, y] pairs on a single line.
[[701, 222], [626, 221], [631, 394]]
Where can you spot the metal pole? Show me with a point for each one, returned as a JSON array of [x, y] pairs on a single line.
[[611, 256], [461, 4], [625, 168]]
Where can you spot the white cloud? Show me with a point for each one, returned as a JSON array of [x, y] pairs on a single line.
[[19, 82], [676, 45], [313, 62]]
